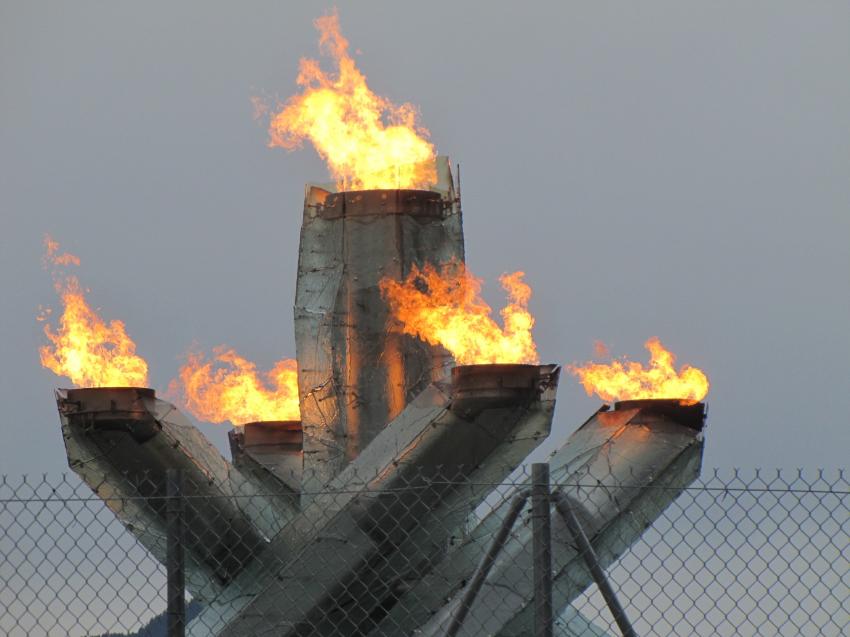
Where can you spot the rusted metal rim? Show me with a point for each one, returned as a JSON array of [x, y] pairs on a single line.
[[495, 376], [692, 415], [108, 400], [272, 433], [498, 385], [98, 393], [366, 203], [112, 409], [288, 425]]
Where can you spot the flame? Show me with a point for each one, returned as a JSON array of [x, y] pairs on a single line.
[[631, 381], [229, 387], [366, 140], [86, 349], [444, 307], [52, 256]]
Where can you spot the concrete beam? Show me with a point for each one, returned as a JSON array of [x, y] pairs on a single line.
[[271, 454], [389, 516], [355, 373], [620, 469], [121, 441]]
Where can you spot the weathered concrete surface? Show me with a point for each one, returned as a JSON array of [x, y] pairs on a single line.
[[621, 469], [389, 516], [120, 441], [356, 373]]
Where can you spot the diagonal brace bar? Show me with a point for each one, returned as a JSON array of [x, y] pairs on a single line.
[[487, 563], [590, 559]]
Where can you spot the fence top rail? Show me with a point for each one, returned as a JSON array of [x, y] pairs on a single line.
[[65, 487]]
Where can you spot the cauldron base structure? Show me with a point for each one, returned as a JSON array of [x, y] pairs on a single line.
[[364, 518]]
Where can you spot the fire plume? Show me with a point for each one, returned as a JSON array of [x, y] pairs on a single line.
[[632, 381], [366, 140], [229, 387], [444, 307], [84, 347]]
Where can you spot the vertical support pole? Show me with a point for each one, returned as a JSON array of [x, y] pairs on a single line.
[[592, 563], [541, 548], [175, 559]]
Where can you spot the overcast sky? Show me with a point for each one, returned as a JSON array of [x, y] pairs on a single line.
[[664, 169]]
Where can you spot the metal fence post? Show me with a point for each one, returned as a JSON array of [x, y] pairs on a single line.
[[175, 561], [541, 548]]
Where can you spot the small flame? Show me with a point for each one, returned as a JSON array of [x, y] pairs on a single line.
[[444, 307], [52, 256], [229, 387], [366, 140], [631, 381], [84, 348]]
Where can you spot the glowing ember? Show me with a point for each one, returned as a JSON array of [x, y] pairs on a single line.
[[631, 381], [445, 308], [367, 141], [229, 387], [86, 349]]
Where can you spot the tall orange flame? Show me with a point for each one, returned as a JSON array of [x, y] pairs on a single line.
[[631, 381], [229, 387], [444, 307], [86, 349], [366, 140]]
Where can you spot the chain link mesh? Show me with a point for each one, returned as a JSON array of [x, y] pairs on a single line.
[[732, 553]]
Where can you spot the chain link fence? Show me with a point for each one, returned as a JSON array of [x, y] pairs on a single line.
[[730, 553]]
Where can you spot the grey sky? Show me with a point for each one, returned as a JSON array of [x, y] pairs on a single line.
[[661, 168]]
